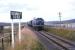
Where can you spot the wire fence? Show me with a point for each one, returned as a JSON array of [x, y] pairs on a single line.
[[5, 41]]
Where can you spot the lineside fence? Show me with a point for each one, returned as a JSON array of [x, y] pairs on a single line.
[[5, 41]]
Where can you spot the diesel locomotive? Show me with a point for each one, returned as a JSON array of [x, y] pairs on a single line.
[[37, 24]]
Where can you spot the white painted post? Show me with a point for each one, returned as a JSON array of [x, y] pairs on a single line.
[[12, 34], [19, 31]]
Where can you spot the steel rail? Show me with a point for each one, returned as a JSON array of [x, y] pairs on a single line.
[[57, 41]]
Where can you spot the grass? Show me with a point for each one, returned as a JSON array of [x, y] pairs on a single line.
[[65, 33], [7, 30], [28, 43], [35, 45], [6, 42]]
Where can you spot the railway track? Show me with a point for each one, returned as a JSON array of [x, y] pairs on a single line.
[[59, 42]]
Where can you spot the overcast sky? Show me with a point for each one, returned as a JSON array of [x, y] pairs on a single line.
[[47, 9]]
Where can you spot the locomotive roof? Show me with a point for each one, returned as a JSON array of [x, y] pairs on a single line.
[[39, 19]]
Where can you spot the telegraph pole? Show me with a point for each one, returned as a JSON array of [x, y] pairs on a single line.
[[60, 18]]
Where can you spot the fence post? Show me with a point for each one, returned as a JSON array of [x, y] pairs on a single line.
[[2, 44]]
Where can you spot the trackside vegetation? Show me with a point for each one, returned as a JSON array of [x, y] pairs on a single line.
[[28, 43], [65, 33], [25, 46]]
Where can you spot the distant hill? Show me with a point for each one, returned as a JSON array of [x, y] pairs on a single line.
[[69, 21], [48, 22], [9, 24], [4, 24], [58, 22]]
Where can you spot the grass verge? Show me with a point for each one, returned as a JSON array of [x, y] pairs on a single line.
[[28, 43], [68, 34]]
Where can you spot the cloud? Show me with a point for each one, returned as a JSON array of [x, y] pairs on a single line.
[[46, 9], [8, 6]]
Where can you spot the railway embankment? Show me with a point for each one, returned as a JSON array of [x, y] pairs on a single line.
[[29, 41]]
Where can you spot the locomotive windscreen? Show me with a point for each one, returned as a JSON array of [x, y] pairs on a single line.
[[39, 21]]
